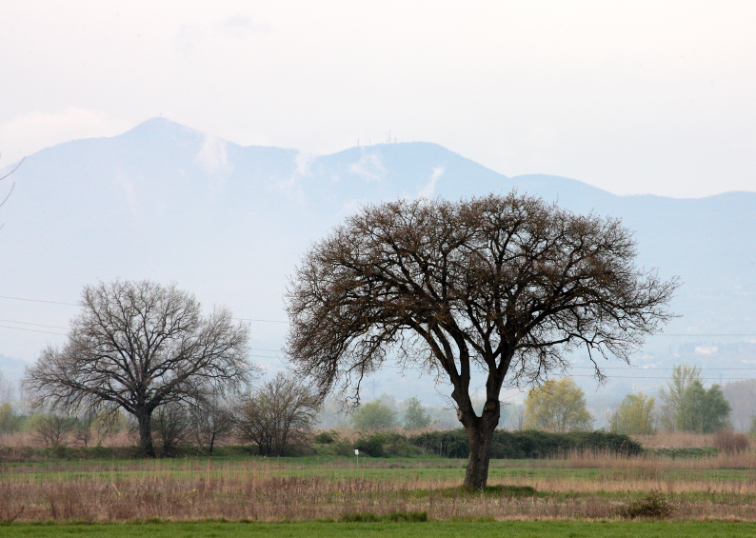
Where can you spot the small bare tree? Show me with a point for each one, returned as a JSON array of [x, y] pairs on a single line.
[[52, 429], [211, 422], [503, 285], [83, 430], [170, 426], [278, 415], [139, 346]]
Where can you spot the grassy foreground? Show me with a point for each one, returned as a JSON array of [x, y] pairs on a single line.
[[583, 487], [510, 529]]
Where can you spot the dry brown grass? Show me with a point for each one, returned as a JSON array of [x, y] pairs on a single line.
[[20, 440], [276, 490], [601, 487], [298, 499], [675, 440]]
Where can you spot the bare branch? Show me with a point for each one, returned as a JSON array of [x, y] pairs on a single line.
[[503, 284], [140, 346]]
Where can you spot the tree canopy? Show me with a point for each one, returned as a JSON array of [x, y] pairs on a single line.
[[557, 407], [683, 375], [415, 416], [138, 346], [688, 406], [374, 416], [701, 410], [500, 286], [635, 415]]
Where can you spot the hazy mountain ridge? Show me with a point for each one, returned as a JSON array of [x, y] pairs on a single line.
[[229, 222]]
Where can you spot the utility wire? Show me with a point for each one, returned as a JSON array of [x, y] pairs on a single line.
[[30, 330], [667, 378], [276, 321], [707, 335], [36, 300], [652, 369], [702, 335], [73, 304], [34, 324]]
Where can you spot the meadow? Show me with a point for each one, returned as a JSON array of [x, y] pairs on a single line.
[[588, 486]]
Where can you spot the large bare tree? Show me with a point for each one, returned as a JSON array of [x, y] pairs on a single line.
[[139, 346], [501, 286]]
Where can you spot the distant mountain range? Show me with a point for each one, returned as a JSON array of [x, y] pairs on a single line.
[[166, 202]]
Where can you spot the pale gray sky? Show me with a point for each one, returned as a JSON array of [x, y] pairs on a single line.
[[633, 97]]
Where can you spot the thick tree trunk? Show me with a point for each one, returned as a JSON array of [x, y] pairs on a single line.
[[476, 475], [145, 434], [480, 432]]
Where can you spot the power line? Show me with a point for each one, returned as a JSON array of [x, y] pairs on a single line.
[[689, 335], [273, 321], [31, 330], [264, 357], [652, 369], [73, 304], [33, 324], [707, 335], [667, 378], [36, 300]]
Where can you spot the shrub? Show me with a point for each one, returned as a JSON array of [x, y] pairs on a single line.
[[408, 516], [446, 443], [386, 444], [527, 444], [343, 447], [360, 517], [731, 442], [683, 452], [326, 438], [370, 517], [654, 506], [370, 446]]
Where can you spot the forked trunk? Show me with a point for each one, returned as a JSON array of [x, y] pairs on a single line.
[[480, 432], [145, 434]]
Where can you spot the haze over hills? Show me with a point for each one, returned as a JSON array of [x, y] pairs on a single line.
[[228, 223]]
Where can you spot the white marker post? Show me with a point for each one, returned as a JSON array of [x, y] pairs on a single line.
[[357, 453]]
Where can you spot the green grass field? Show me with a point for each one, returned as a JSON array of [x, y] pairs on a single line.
[[433, 529], [335, 467]]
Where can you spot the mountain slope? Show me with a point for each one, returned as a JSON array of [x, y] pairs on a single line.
[[228, 222]]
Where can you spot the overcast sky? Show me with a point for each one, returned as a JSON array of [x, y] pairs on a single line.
[[635, 97]]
